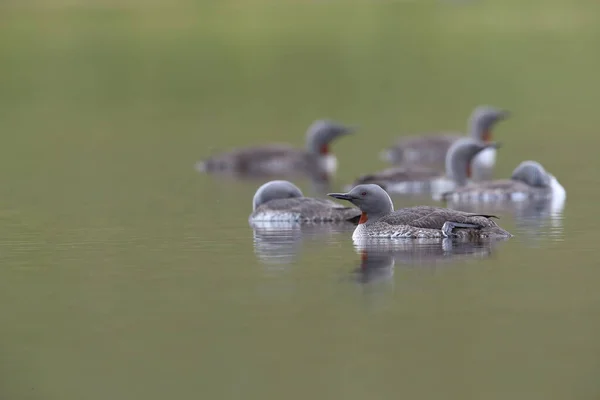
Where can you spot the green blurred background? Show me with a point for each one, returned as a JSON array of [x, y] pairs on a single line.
[[112, 272], [128, 87]]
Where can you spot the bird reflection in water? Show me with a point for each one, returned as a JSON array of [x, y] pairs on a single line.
[[535, 219], [278, 243], [378, 257]]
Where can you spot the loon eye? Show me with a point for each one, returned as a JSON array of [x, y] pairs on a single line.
[[363, 194]]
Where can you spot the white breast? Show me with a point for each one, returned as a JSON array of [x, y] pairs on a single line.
[[329, 163], [359, 232], [485, 159], [406, 187], [483, 165]]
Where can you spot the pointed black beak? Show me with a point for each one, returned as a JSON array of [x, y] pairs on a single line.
[[347, 130], [341, 196], [504, 114]]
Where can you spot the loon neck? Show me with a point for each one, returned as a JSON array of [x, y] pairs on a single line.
[[370, 218], [363, 218], [487, 135]]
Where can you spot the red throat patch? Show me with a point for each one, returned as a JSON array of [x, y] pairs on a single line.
[[487, 136], [469, 170], [324, 149], [363, 218]]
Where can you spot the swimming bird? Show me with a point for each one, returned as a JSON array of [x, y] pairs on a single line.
[[420, 179], [529, 181], [379, 220], [429, 150], [282, 201], [315, 161]]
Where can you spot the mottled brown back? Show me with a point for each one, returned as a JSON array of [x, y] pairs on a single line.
[[270, 160], [399, 174], [310, 209], [427, 150], [435, 217]]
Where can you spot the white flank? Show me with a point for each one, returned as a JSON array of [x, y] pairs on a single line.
[[518, 196], [402, 187], [487, 197], [271, 216], [559, 195], [275, 165], [442, 185]]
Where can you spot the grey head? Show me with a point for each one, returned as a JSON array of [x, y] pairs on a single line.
[[371, 199], [532, 173], [483, 119], [322, 132], [275, 190], [460, 155]]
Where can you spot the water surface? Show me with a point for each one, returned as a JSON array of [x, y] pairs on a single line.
[[127, 274]]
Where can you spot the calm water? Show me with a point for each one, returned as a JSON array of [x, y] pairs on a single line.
[[126, 274]]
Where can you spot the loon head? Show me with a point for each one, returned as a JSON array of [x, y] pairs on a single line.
[[532, 173], [483, 119], [275, 190], [461, 154], [322, 132], [373, 201]]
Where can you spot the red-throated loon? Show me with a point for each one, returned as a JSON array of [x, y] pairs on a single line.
[[315, 160], [282, 201], [379, 220], [430, 149]]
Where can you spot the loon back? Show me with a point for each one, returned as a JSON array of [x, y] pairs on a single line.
[[435, 217], [305, 209], [428, 150], [269, 161]]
